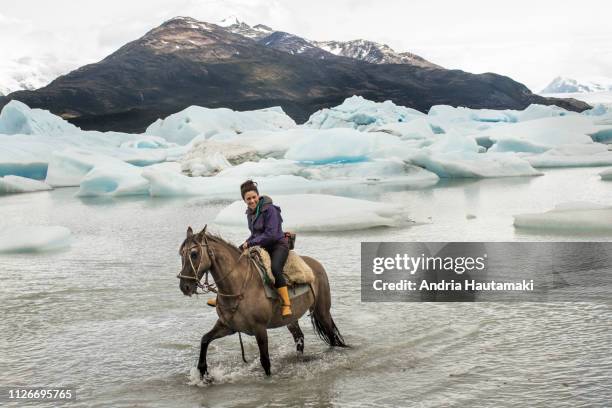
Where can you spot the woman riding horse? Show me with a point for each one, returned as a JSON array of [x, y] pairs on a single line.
[[265, 223]]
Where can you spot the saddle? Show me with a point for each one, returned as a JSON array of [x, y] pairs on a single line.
[[296, 271]]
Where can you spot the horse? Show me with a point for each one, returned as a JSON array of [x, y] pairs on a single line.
[[242, 305]]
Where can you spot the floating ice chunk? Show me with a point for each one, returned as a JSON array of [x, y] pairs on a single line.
[[573, 155], [547, 131], [17, 118], [148, 142], [453, 142], [69, 167], [418, 128], [16, 184], [573, 217], [460, 114], [331, 213], [206, 166], [474, 165], [208, 157], [606, 174], [535, 111], [339, 145], [41, 133], [166, 183], [185, 125], [359, 113], [33, 239], [517, 145], [112, 180], [385, 171], [262, 168], [450, 114]]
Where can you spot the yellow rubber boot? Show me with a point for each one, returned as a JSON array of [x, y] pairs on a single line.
[[286, 306], [212, 302]]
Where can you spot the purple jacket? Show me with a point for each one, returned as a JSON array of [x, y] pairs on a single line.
[[266, 228]]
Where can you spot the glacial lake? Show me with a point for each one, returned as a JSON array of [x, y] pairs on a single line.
[[106, 315]]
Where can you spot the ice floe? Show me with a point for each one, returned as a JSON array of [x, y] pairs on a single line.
[[359, 113], [569, 217], [183, 126], [606, 174], [17, 184], [319, 212], [33, 238]]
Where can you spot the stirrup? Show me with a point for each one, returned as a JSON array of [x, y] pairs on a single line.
[[212, 302], [286, 311]]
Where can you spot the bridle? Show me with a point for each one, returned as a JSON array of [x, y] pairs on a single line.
[[206, 286]]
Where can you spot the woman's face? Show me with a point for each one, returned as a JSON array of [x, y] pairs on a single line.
[[251, 198]]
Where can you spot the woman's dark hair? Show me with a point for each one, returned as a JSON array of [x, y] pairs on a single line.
[[247, 186]]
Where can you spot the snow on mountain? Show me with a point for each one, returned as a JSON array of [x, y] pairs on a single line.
[[236, 26], [580, 85], [363, 50], [372, 52]]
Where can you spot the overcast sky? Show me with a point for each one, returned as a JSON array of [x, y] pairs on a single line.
[[531, 41]]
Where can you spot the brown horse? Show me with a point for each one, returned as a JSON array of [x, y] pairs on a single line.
[[242, 305]]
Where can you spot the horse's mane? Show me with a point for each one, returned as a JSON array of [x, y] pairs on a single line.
[[213, 237], [220, 240]]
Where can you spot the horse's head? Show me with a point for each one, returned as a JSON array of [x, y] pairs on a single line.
[[196, 260]]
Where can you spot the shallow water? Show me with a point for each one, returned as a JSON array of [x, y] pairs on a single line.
[[106, 315]]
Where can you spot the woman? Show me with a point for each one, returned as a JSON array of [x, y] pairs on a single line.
[[265, 224]]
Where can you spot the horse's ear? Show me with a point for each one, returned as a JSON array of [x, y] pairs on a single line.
[[189, 232]]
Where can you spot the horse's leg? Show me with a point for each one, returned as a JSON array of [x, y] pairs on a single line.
[[219, 330], [298, 336], [261, 334]]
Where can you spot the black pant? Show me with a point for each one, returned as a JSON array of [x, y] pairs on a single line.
[[278, 254]]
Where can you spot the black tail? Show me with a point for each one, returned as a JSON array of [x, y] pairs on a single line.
[[329, 333]]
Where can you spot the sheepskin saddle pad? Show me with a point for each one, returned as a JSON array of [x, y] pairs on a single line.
[[296, 271]]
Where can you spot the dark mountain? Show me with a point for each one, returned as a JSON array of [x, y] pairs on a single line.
[[186, 62], [293, 44]]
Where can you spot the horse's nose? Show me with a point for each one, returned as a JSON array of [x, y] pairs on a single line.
[[184, 287]]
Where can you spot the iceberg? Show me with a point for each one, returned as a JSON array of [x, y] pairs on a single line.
[[67, 168], [29, 137], [546, 132], [16, 184], [569, 217], [323, 213], [474, 165], [17, 118], [580, 155], [418, 128], [167, 183], [359, 113], [606, 174], [339, 145], [184, 126], [33, 239], [114, 181], [454, 155], [208, 157]]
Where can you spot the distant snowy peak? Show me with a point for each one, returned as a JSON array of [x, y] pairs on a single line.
[[363, 50], [28, 73], [236, 26], [585, 85], [372, 52]]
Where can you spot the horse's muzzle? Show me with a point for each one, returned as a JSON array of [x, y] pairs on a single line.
[[188, 287]]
